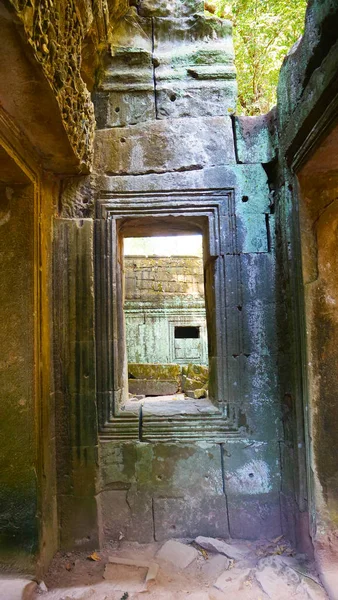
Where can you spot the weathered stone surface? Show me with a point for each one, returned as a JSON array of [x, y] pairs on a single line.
[[18, 489], [126, 94], [193, 78], [276, 578], [315, 591], [75, 381], [154, 371], [233, 581], [180, 555], [162, 468], [165, 146], [299, 90], [200, 372], [188, 516], [57, 114], [215, 565], [126, 513], [78, 515], [167, 70], [256, 516], [150, 387], [180, 483], [197, 394], [161, 294], [221, 547], [250, 468], [258, 277], [195, 380], [256, 138], [190, 384]]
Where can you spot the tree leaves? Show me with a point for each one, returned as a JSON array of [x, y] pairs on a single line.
[[264, 31]]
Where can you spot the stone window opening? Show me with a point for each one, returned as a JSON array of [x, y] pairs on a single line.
[[187, 332], [123, 215], [165, 318]]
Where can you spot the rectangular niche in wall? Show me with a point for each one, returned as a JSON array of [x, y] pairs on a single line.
[[209, 214], [187, 332]]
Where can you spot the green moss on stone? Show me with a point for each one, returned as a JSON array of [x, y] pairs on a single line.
[[154, 371]]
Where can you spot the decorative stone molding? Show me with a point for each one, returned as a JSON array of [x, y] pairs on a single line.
[[55, 32], [210, 211]]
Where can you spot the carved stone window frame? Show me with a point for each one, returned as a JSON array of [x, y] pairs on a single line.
[[214, 211]]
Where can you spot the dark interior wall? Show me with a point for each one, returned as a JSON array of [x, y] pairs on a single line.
[[46, 122], [306, 232], [319, 230], [29, 534], [18, 491], [320, 276]]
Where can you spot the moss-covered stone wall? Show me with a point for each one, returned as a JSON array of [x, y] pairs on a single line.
[[170, 139], [162, 293], [305, 192]]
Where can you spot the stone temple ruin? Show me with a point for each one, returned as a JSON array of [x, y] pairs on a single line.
[[166, 329], [118, 121]]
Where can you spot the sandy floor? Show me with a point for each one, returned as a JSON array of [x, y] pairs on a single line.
[[261, 571]]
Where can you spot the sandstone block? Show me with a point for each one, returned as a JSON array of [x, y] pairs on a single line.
[[178, 554], [152, 388], [214, 545], [232, 581], [154, 371], [215, 565], [148, 147]]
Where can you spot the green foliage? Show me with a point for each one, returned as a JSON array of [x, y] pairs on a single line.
[[264, 32]]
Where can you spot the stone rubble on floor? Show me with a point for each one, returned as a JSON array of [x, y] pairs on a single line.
[[179, 570], [221, 547]]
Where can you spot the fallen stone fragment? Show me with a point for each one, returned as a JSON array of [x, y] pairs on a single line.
[[314, 590], [214, 545], [278, 583], [196, 394], [214, 566], [145, 387], [177, 553], [151, 566], [233, 581], [125, 577], [201, 393], [42, 587], [152, 572], [129, 562]]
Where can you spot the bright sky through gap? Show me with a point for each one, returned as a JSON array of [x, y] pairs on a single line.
[[178, 245]]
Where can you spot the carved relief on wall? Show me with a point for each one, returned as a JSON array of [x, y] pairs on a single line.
[[55, 32]]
